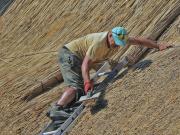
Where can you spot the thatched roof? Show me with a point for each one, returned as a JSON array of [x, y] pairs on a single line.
[[144, 101]]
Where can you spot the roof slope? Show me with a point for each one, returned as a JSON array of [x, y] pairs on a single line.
[[145, 101], [32, 32]]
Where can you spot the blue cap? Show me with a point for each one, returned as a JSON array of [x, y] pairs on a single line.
[[119, 35]]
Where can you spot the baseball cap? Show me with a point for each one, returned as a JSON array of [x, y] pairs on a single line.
[[119, 35]]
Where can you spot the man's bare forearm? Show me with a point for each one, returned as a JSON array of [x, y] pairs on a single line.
[[143, 42], [85, 73], [85, 69]]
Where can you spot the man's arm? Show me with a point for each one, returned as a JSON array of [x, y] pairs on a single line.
[[88, 84], [147, 43], [85, 68]]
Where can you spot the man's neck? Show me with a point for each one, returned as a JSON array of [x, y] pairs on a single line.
[[107, 39]]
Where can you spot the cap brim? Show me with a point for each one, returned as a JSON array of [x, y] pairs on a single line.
[[117, 40]]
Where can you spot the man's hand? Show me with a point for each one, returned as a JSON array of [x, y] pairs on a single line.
[[164, 46], [88, 86], [148, 43]]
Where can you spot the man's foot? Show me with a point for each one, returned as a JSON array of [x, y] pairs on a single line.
[[57, 112]]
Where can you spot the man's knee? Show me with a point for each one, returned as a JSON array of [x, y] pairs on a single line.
[[71, 90], [75, 92]]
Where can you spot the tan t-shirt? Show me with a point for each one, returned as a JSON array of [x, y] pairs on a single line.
[[94, 46]]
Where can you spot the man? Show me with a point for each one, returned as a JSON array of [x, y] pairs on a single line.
[[79, 56]]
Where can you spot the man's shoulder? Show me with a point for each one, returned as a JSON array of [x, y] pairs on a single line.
[[96, 38], [97, 35]]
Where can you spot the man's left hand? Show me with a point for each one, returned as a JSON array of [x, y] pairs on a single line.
[[164, 46]]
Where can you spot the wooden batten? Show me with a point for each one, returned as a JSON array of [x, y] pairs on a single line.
[[48, 83], [160, 26]]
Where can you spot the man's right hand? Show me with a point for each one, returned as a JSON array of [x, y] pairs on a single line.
[[88, 86]]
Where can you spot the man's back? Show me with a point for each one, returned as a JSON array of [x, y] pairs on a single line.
[[81, 45]]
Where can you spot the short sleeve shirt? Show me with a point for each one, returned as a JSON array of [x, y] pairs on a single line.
[[94, 46]]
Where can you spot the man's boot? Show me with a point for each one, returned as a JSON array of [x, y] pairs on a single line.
[[57, 112]]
